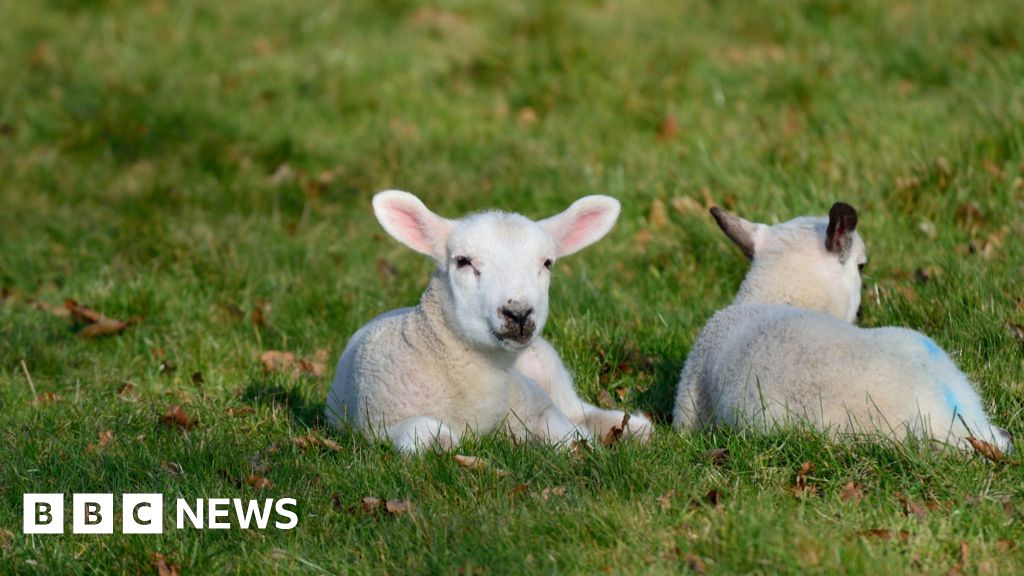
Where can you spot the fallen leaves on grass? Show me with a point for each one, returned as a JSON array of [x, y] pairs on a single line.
[[128, 392], [658, 215], [605, 400], [172, 468], [917, 509], [398, 506], [164, 567], [665, 500], [477, 463], [106, 437], [614, 435], [288, 363], [989, 451], [685, 205], [669, 127], [5, 538], [851, 491], [176, 416], [718, 456], [313, 440], [258, 482], [46, 398], [801, 486], [694, 562], [885, 534], [713, 498], [96, 323], [552, 492], [260, 310]]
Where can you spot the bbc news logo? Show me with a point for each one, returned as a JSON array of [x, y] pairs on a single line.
[[144, 513]]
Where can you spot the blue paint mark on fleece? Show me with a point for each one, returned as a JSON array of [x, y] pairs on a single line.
[[951, 400], [932, 348]]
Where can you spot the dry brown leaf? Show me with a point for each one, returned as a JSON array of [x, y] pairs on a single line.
[[551, 492], [313, 439], [658, 215], [694, 562], [239, 411], [476, 463], [605, 400], [289, 363], [104, 327], [665, 500], [398, 506], [128, 392], [642, 239], [518, 490], [176, 416], [172, 468], [885, 534], [718, 456], [801, 485], [612, 436], [1005, 545], [669, 127], [45, 399], [989, 451], [851, 491], [5, 538], [369, 504], [106, 437], [164, 567], [98, 324], [258, 482], [260, 311], [527, 116], [916, 508], [685, 205]]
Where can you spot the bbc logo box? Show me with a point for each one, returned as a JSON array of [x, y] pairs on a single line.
[[93, 513], [144, 513]]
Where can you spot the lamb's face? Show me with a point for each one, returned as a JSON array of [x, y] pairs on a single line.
[[498, 269], [808, 262], [496, 265]]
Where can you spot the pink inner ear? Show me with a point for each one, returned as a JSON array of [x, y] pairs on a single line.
[[408, 227], [581, 230]]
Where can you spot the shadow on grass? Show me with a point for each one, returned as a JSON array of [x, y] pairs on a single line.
[[299, 397]]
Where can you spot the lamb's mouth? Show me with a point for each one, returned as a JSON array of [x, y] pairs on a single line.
[[514, 339]]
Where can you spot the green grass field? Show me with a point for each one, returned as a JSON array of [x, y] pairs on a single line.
[[205, 170]]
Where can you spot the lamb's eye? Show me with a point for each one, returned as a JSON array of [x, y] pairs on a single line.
[[463, 261], [548, 263], [861, 266]]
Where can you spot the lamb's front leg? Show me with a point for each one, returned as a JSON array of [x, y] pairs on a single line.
[[419, 433], [532, 413], [540, 362]]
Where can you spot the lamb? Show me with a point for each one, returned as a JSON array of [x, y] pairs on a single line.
[[469, 358], [787, 350]]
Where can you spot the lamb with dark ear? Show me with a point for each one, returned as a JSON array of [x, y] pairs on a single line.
[[786, 351]]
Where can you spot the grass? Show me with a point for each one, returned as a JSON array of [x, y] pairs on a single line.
[[142, 145]]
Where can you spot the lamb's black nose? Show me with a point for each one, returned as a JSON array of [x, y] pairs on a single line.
[[516, 313]]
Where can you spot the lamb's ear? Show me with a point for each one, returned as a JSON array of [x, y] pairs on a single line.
[[742, 232], [842, 221], [406, 218], [582, 224]]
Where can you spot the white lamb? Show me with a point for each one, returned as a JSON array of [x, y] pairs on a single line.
[[470, 357], [786, 350]]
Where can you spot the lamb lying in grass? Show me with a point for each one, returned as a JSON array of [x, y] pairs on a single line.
[[470, 357], [786, 349]]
